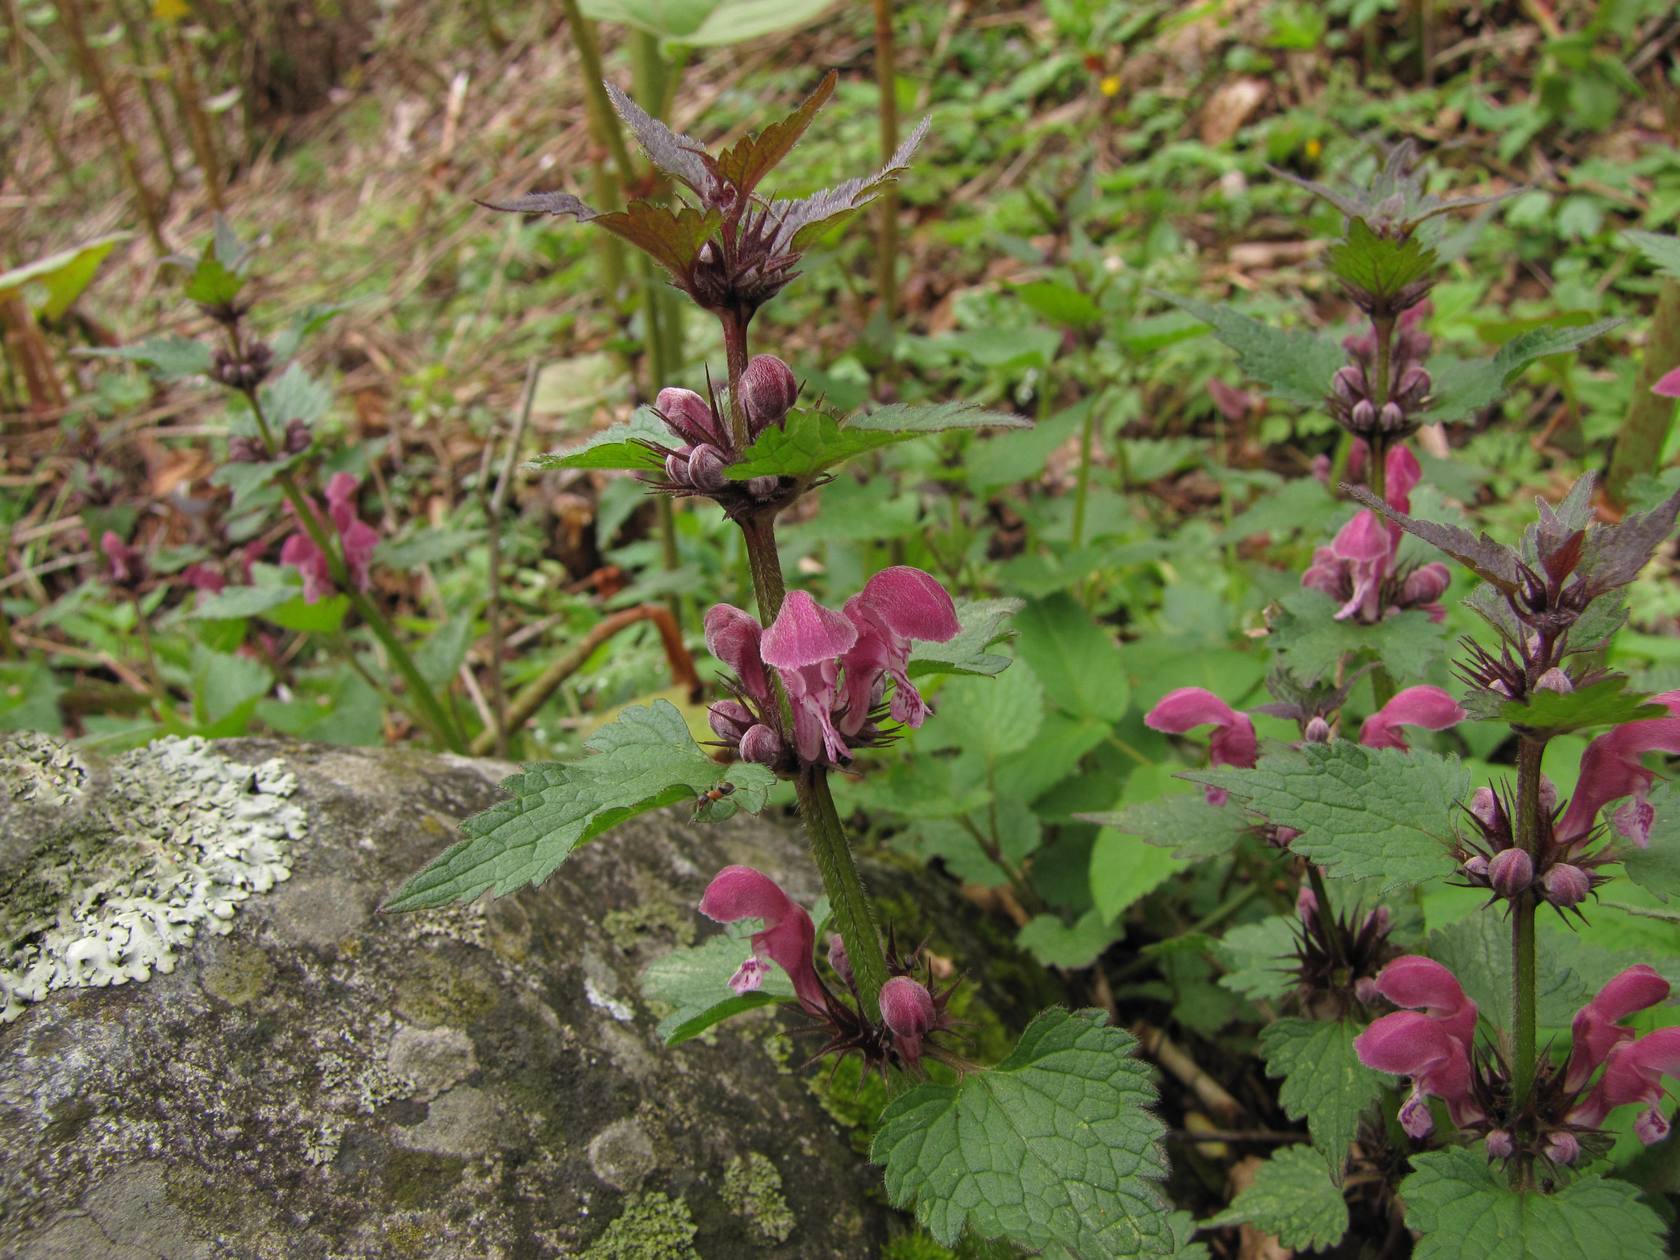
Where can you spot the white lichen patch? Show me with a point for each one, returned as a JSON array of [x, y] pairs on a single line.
[[130, 860]]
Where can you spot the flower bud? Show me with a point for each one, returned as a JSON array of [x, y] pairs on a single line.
[[1425, 584], [1379, 920], [762, 745], [768, 391], [763, 487], [687, 415], [1317, 732], [1414, 384], [908, 1010], [1392, 417], [1349, 384], [676, 467], [297, 437], [1476, 869], [1563, 1147], [1566, 885], [1510, 872], [1548, 794], [730, 720], [1415, 1117], [1306, 905], [245, 450], [1484, 808], [1554, 679], [1500, 1144], [1365, 989], [705, 468], [1364, 416], [839, 959]]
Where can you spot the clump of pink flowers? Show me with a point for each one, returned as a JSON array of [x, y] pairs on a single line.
[[356, 538]]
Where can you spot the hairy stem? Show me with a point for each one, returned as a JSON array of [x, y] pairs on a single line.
[[848, 902], [1529, 754]]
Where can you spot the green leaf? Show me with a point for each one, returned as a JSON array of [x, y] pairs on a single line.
[[1293, 365], [1071, 946], [621, 446], [1077, 660], [1477, 949], [1053, 1146], [1292, 1198], [169, 357], [1602, 703], [1124, 869], [1186, 824], [990, 718], [29, 692], [1656, 868], [1465, 386], [295, 395], [1259, 958], [1323, 1080], [1060, 303], [1380, 265], [984, 622], [52, 284], [426, 546], [1362, 812], [933, 418], [225, 692], [805, 444], [644, 760], [440, 655], [212, 283], [242, 601], [1662, 252], [695, 983], [1304, 630], [322, 617], [1461, 1208]]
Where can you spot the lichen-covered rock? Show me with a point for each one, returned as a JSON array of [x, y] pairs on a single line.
[[326, 1081]]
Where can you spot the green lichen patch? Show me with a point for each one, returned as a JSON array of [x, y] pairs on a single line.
[[653, 1226], [130, 860], [627, 928], [415, 1179], [239, 975], [439, 990], [752, 1189]]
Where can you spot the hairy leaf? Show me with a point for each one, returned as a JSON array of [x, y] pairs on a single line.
[[1376, 264], [170, 357], [695, 984], [1362, 812], [1259, 958], [1077, 660], [1465, 386], [1293, 365], [1292, 1198], [678, 156], [1662, 252], [1071, 946], [1312, 643], [1614, 554], [800, 222], [934, 418], [1605, 702], [1491, 561], [644, 760], [1323, 1080], [985, 623], [805, 444], [1186, 824], [1478, 951], [1053, 1146], [621, 446], [751, 158], [1462, 1208]]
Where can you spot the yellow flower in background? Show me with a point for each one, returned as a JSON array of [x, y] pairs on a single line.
[[169, 12], [1110, 85], [1313, 148]]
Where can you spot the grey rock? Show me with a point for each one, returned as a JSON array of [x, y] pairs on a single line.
[[325, 1082]]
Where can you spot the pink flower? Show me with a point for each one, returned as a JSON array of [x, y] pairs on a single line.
[[202, 579], [357, 540], [1431, 1042], [1610, 770], [911, 1013], [1669, 385], [787, 938], [1633, 1073], [1598, 1029], [803, 643], [125, 564], [895, 606], [1234, 742], [733, 637], [1428, 707]]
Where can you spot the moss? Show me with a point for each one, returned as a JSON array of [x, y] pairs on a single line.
[[853, 1097], [444, 991], [626, 928], [752, 1189], [653, 1226], [917, 1246], [416, 1179], [239, 975], [406, 1238], [68, 1119]]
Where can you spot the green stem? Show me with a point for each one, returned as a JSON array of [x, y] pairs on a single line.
[[1523, 1002], [1082, 486], [848, 903]]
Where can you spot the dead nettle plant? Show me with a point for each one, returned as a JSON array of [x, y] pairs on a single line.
[[1500, 1147], [1055, 1147]]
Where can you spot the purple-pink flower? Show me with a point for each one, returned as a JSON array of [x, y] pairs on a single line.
[[1610, 770], [1430, 1042], [1424, 706], [911, 1013], [1633, 1072], [1669, 384], [787, 938], [1234, 742], [124, 563], [1597, 1029], [357, 539]]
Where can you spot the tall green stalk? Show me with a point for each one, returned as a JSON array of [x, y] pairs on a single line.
[[1523, 1002]]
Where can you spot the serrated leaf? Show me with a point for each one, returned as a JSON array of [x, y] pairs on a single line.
[[644, 760], [1186, 824], [1477, 949], [1056, 943], [695, 982], [212, 282], [752, 157], [1323, 1080], [1662, 252], [984, 622], [621, 446], [933, 418], [226, 689], [1076, 660], [1606, 702], [806, 443], [1293, 365], [1461, 1208], [1053, 1146], [1463, 387], [802, 221], [672, 238], [1259, 958], [242, 601], [1305, 632], [1362, 812], [1292, 1198], [1380, 265], [170, 357], [1492, 561], [295, 395], [1613, 555]]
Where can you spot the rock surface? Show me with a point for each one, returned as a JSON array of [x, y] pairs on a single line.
[[324, 1081]]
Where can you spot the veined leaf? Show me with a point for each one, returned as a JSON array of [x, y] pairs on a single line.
[[1323, 1080], [985, 623], [1606, 702], [621, 446], [806, 443], [1464, 386], [1378, 264], [1292, 364], [169, 357], [934, 418], [1294, 1199], [1186, 824], [1662, 252]]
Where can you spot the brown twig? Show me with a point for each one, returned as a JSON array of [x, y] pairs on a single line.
[[1161, 1048]]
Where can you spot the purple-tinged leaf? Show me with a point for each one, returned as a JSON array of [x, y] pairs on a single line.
[[681, 157], [800, 222], [750, 158], [1491, 561], [1615, 554]]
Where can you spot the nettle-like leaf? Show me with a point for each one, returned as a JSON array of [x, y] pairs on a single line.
[[1055, 1146], [1309, 639], [1186, 824], [1294, 365], [169, 357], [1259, 958], [1493, 562], [753, 157], [1379, 265], [644, 760], [985, 623], [1377, 813], [934, 418], [1662, 252], [671, 237], [695, 984], [1464, 386], [621, 446], [1605, 702], [1292, 1198], [1395, 199], [1613, 555], [1323, 1080], [1462, 1208], [805, 444], [800, 222]]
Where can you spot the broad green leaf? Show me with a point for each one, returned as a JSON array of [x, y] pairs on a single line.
[[933, 418], [1465, 386], [322, 617], [644, 760], [169, 357], [1124, 869], [1053, 755], [695, 983], [1292, 1198], [805, 444], [1662, 252], [1462, 1208], [1259, 958], [1656, 868], [984, 622], [1478, 951], [1076, 660], [226, 689], [440, 654], [1293, 365], [1603, 703], [29, 692], [52, 284], [1362, 812], [1055, 1146], [1323, 1080], [1186, 824], [242, 601], [621, 446], [427, 546], [1060, 303], [295, 395], [1379, 264], [212, 282], [1071, 946], [1304, 630], [990, 718]]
